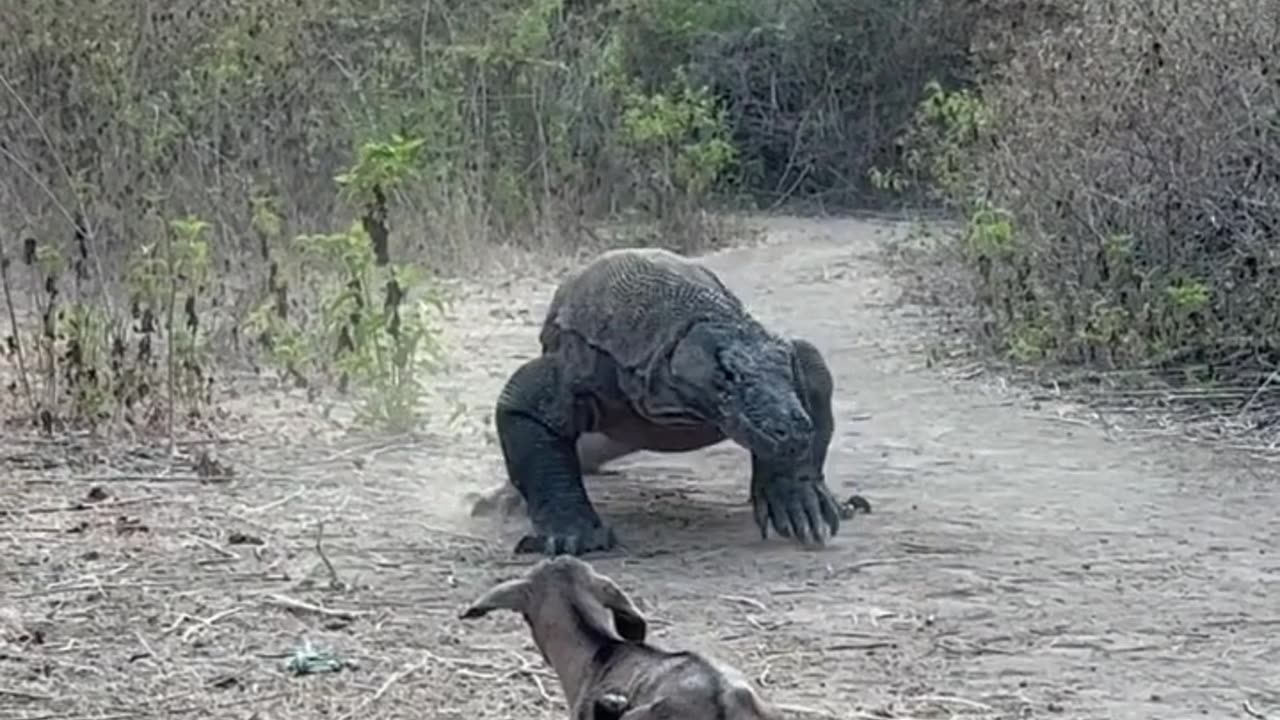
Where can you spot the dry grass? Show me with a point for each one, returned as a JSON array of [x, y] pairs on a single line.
[[202, 585], [137, 587], [1014, 564], [1140, 402], [1123, 201]]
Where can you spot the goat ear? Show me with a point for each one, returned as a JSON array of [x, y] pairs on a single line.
[[627, 619], [508, 595]]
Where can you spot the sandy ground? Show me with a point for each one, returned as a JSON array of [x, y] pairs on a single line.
[[1017, 563]]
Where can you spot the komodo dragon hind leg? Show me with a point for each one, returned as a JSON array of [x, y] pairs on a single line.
[[538, 427]]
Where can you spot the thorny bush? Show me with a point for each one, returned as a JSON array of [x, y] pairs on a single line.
[[814, 92], [1121, 183]]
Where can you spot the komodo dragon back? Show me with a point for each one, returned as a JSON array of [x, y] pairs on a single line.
[[634, 303]]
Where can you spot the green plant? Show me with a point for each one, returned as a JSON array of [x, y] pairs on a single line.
[[939, 142], [678, 143], [1109, 221], [375, 331], [989, 233], [165, 282], [1028, 342], [92, 364], [381, 167], [376, 339], [1187, 297]]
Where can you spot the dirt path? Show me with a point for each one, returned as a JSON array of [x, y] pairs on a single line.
[[1014, 561], [1015, 565]]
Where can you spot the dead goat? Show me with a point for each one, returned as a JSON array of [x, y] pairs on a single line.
[[606, 669]]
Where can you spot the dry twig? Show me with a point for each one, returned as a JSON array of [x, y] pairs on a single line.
[[293, 604], [1252, 712], [334, 582], [386, 685]]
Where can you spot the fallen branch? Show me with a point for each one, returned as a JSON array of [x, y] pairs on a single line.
[[213, 546], [386, 685], [292, 604], [1253, 712], [334, 582], [741, 600], [82, 506], [38, 697], [156, 478]]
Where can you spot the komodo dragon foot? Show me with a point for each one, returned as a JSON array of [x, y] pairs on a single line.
[[565, 539], [505, 501], [797, 507], [563, 518], [851, 506]]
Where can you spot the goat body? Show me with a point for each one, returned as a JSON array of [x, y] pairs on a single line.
[[606, 669]]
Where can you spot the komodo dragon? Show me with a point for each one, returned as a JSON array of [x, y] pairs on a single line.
[[643, 349]]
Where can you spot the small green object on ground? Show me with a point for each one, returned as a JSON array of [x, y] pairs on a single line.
[[309, 662]]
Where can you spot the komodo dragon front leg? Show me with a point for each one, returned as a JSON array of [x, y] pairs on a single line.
[[815, 386], [539, 421]]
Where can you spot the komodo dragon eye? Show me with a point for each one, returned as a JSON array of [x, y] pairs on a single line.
[[731, 376], [729, 372]]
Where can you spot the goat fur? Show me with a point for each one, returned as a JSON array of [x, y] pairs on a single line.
[[591, 633]]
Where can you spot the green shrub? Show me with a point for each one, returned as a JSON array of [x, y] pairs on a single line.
[[818, 91], [375, 326], [1131, 162]]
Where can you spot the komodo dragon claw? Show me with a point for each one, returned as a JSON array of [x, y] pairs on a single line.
[[599, 538], [796, 507]]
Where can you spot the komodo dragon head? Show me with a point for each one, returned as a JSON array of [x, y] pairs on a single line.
[[742, 378]]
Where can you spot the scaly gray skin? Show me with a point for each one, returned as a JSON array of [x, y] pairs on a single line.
[[643, 349]]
